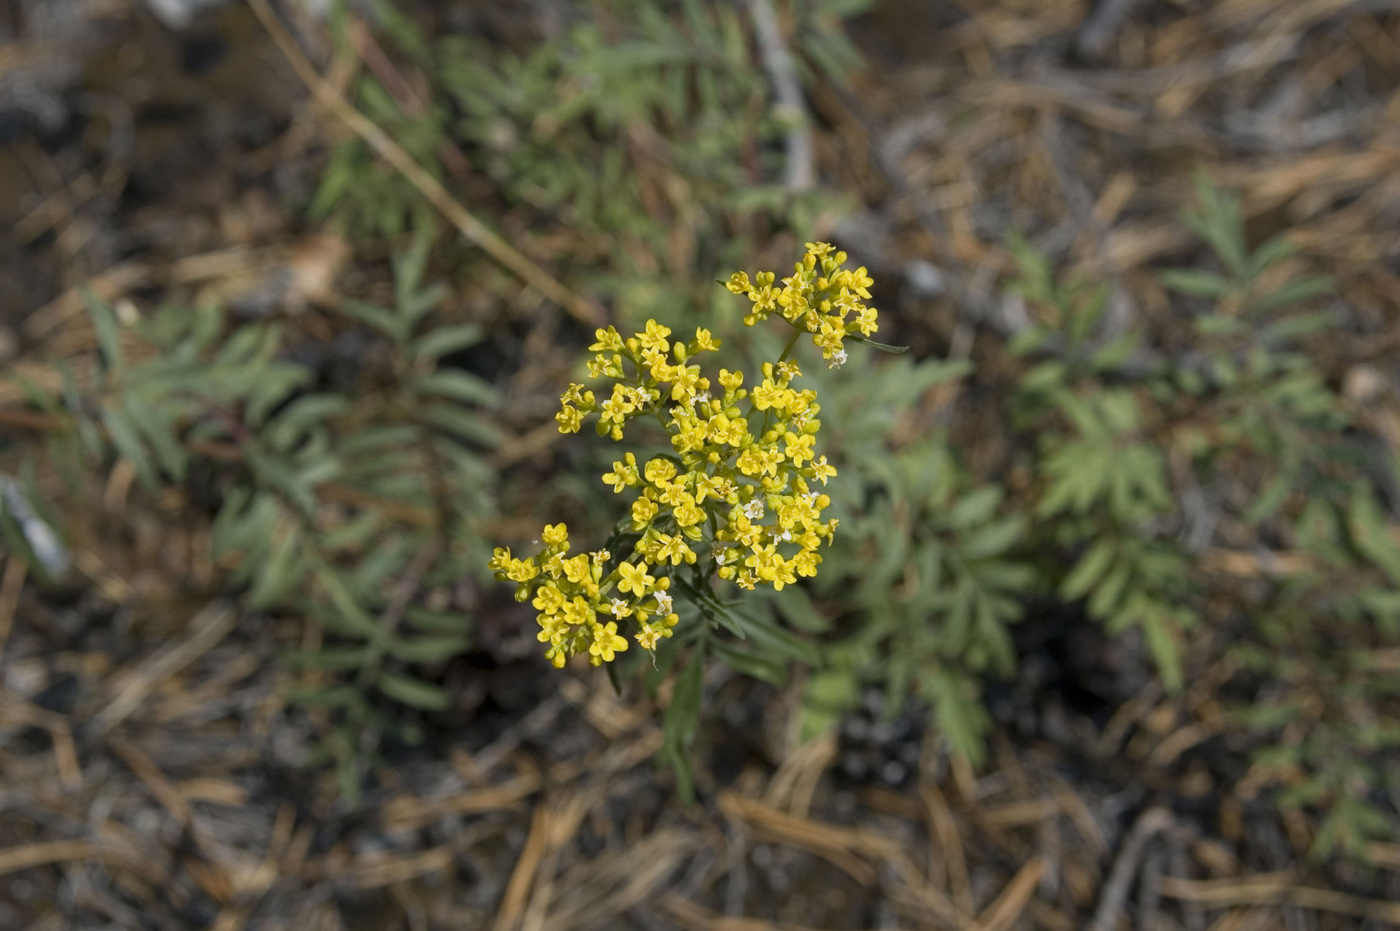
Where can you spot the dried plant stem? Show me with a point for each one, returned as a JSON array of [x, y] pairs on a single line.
[[468, 225], [777, 61]]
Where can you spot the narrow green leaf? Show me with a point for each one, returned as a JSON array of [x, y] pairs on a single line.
[[681, 720], [1294, 292], [439, 622], [463, 423], [974, 508], [1161, 635], [427, 649], [447, 340], [1195, 283], [108, 330], [1088, 570], [959, 712], [882, 347], [128, 443], [750, 663], [391, 325], [764, 633], [412, 692], [992, 539], [330, 659], [159, 433], [1368, 530], [458, 386]]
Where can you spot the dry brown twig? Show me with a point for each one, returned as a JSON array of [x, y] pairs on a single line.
[[777, 61], [1114, 896], [432, 190]]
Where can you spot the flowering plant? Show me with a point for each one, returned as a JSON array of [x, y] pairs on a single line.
[[738, 496]]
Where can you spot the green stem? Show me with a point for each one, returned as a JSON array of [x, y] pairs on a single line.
[[792, 341], [787, 350], [714, 541]]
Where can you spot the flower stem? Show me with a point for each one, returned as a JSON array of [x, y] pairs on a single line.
[[792, 341]]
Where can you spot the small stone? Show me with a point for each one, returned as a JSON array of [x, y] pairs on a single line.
[[1362, 383], [924, 278]]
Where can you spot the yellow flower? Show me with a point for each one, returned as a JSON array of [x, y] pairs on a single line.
[[606, 642], [569, 419], [675, 495], [655, 337], [674, 549], [576, 395], [555, 534], [688, 515], [634, 579], [859, 282], [805, 563], [616, 408], [548, 600], [607, 341], [687, 383], [769, 395], [577, 569], [522, 570], [799, 447], [643, 510], [579, 612], [659, 471], [605, 366], [624, 474]]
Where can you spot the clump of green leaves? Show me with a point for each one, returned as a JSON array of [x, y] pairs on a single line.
[[1140, 467], [925, 575], [1146, 464], [645, 136], [356, 508]]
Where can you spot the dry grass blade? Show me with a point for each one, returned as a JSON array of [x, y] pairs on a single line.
[[432, 190], [849, 849], [14, 859], [11, 584], [1114, 894], [379, 871], [836, 845], [604, 892], [108, 286], [407, 813], [1280, 889], [210, 626], [537, 845], [947, 840], [693, 917], [1003, 913]]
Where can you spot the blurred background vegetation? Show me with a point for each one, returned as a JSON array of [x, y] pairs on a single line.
[[1110, 632]]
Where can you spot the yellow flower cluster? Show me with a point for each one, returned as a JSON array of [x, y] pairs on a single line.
[[576, 616], [737, 494], [821, 297]]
